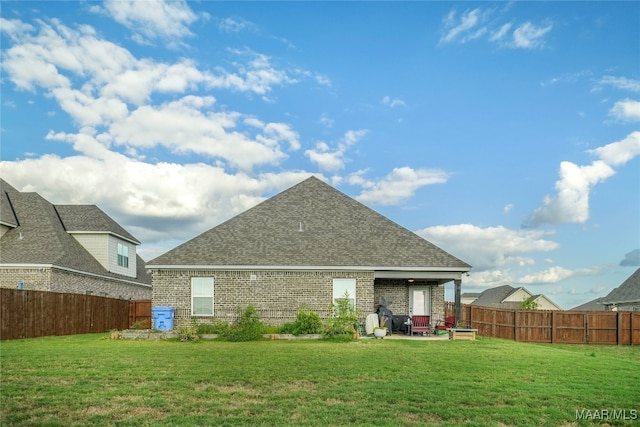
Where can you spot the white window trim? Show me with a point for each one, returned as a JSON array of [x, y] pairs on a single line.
[[123, 251], [344, 284], [203, 294]]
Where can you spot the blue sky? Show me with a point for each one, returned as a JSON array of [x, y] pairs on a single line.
[[506, 133]]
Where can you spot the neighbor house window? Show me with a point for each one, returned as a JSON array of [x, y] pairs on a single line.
[[202, 296], [123, 255], [344, 288]]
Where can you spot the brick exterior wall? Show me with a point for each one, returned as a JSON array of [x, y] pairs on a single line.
[[278, 295], [57, 280], [397, 291]]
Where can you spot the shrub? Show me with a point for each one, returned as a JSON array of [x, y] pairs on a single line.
[[217, 328], [248, 327], [307, 322], [344, 319], [188, 333]]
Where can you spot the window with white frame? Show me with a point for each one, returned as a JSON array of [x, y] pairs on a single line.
[[344, 287], [123, 255], [202, 296]]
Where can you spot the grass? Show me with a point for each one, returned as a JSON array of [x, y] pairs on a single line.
[[91, 380]]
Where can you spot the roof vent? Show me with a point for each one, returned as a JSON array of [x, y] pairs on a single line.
[[300, 229]]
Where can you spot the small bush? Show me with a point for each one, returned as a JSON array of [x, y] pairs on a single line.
[[188, 333], [217, 328], [140, 324], [307, 322], [270, 329], [344, 319], [248, 327]]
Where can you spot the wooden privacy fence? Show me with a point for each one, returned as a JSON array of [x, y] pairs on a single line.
[[551, 326], [140, 314], [29, 314]]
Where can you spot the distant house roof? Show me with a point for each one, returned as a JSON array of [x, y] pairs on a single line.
[[593, 305], [470, 295], [498, 297], [91, 219], [627, 292], [310, 224], [494, 297], [40, 237]]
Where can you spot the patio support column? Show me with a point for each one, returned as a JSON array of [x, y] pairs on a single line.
[[458, 285]]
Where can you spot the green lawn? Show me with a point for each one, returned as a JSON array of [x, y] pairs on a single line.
[[92, 380]]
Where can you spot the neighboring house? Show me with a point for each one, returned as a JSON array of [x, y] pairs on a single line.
[[512, 298], [593, 305], [625, 297], [469, 297], [66, 248], [302, 249]]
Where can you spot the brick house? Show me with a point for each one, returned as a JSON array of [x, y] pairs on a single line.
[[66, 248], [303, 248]]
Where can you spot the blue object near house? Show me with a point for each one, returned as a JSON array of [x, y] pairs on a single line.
[[163, 318]]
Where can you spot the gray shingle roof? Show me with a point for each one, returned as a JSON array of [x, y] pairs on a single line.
[[90, 218], [41, 238], [310, 224], [7, 216], [628, 291], [593, 305], [493, 297]]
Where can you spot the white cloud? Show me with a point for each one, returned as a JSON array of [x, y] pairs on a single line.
[[499, 34], [234, 24], [554, 275], [334, 160], [460, 29], [622, 83], [490, 248], [188, 125], [153, 19], [626, 110], [158, 203], [399, 185], [392, 102], [14, 28], [529, 36], [571, 203], [326, 121], [104, 87], [620, 152], [551, 275], [475, 24]]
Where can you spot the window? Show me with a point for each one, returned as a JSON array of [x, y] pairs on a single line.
[[342, 286], [123, 255], [202, 296]]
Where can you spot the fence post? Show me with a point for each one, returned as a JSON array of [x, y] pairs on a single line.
[[515, 325], [553, 327], [586, 328]]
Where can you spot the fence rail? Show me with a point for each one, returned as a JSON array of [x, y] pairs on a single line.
[[30, 314], [547, 326]]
